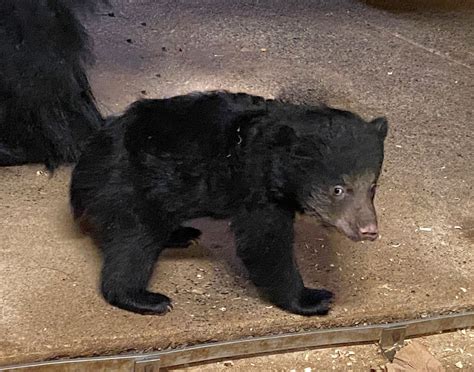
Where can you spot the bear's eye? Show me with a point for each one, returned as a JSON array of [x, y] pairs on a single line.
[[338, 191]]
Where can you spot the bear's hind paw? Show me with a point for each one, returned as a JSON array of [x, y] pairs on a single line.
[[142, 302]]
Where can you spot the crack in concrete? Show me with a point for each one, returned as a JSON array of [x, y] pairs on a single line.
[[421, 46]]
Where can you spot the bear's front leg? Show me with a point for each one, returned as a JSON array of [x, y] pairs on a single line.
[[264, 238]]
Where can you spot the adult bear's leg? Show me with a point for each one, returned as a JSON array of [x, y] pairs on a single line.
[[47, 109]]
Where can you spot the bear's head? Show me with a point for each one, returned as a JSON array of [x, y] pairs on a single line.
[[337, 158]]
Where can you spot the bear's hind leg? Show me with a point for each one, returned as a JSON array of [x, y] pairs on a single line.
[[264, 240], [129, 258]]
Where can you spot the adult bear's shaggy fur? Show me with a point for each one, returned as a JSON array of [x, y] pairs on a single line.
[[47, 108], [224, 155]]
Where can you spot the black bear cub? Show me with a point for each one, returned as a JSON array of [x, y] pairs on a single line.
[[224, 155]]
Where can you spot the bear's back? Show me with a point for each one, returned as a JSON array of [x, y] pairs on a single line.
[[205, 123]]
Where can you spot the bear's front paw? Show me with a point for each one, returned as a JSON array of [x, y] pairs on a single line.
[[312, 302]]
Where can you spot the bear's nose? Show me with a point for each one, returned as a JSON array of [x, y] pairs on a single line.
[[369, 232]]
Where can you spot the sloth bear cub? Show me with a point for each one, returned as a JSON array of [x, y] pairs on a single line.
[[224, 155]]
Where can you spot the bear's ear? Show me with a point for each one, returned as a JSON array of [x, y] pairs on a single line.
[[381, 125]]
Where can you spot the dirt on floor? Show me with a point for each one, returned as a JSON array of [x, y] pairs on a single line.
[[415, 68]]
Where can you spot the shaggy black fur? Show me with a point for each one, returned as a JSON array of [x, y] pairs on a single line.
[[47, 108], [224, 155]]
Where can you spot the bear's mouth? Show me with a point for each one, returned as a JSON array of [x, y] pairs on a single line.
[[353, 233], [349, 233], [341, 226]]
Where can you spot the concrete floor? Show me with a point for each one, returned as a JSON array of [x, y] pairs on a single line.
[[415, 68]]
